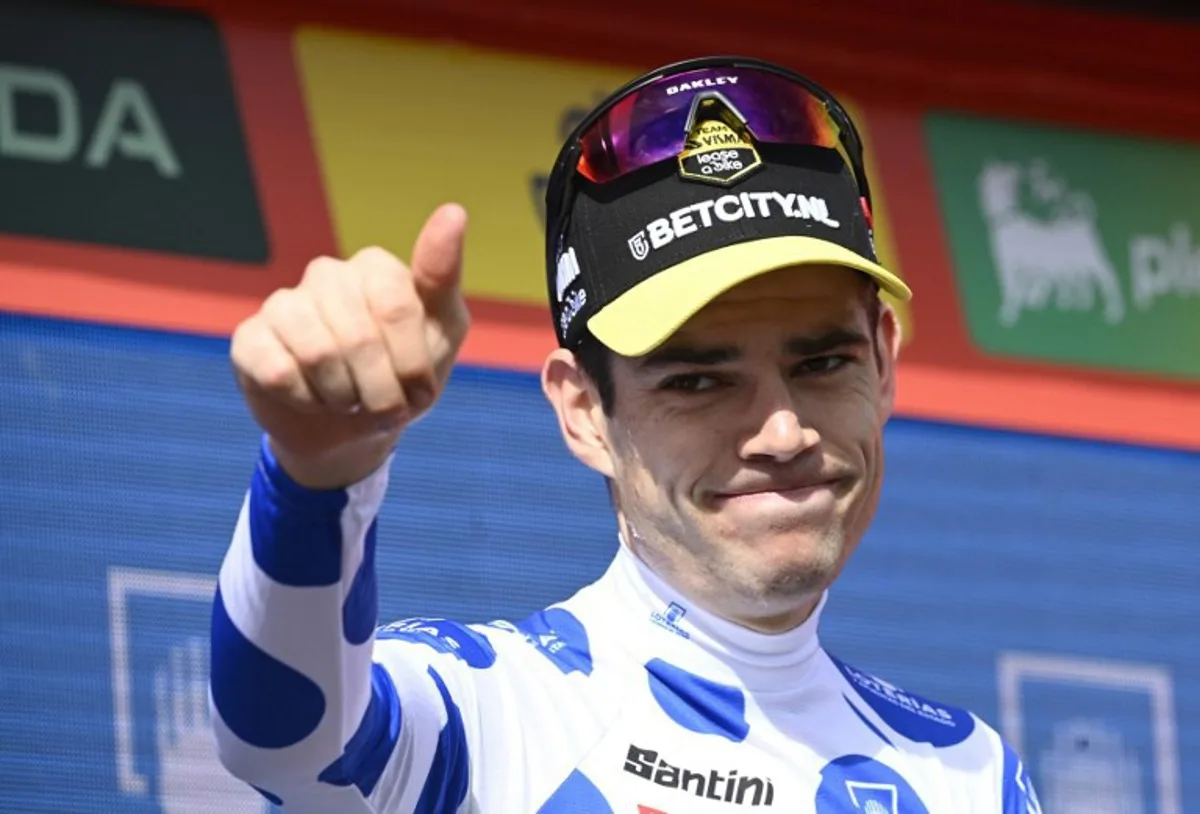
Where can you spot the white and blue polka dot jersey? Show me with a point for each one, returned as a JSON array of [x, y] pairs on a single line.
[[623, 698]]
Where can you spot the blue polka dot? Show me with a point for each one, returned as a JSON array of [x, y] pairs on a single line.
[[698, 704], [868, 724], [361, 609], [576, 795], [371, 746], [559, 636], [263, 701], [444, 636], [446, 784], [295, 532], [855, 783], [271, 798], [914, 717]]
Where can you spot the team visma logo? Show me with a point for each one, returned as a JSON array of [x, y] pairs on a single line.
[[728, 787], [688, 220], [718, 154]]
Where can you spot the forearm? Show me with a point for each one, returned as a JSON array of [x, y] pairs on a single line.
[[292, 626]]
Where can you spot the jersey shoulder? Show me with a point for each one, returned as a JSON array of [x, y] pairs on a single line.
[[912, 716], [946, 727], [554, 634]]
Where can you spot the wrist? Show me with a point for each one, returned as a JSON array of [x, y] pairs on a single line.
[[339, 469]]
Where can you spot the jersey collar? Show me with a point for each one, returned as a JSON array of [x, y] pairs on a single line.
[[669, 625]]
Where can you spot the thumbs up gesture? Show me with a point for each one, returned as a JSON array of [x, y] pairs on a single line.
[[334, 368]]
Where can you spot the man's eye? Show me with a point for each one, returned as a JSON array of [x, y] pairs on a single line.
[[823, 364], [689, 383]]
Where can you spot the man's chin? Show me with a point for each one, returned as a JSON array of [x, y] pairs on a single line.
[[794, 561], [784, 536], [801, 578]]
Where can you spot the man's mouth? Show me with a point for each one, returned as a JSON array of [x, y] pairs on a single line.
[[793, 490]]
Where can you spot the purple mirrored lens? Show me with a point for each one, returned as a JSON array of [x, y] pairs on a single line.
[[650, 125]]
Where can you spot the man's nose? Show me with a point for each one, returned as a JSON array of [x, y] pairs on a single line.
[[775, 426]]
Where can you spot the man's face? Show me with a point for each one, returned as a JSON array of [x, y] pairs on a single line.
[[746, 451]]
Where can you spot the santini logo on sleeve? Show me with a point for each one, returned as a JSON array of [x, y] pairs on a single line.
[[728, 209]]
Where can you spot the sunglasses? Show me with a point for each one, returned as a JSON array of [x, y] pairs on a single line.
[[649, 119]]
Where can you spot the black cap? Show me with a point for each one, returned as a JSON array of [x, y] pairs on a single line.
[[642, 254]]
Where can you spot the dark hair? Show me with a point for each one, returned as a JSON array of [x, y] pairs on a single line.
[[595, 358]]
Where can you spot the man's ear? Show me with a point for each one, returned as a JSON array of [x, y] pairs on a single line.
[[888, 335], [580, 413]]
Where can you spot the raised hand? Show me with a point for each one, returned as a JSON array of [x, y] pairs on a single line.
[[336, 367]]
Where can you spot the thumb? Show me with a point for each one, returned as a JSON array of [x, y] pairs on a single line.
[[437, 258]]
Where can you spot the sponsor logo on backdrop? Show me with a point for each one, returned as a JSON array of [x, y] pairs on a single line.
[[1089, 768], [1100, 735], [1057, 260], [158, 649], [118, 126], [128, 126], [1071, 246]]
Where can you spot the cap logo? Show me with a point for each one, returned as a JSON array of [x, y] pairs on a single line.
[[565, 276], [728, 209], [715, 153], [568, 271], [638, 246], [575, 303]]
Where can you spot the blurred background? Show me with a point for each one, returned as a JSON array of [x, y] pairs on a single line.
[[164, 166]]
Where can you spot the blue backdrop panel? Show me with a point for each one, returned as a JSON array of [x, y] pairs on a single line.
[[1052, 586]]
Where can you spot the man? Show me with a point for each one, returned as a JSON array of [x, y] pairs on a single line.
[[727, 364]]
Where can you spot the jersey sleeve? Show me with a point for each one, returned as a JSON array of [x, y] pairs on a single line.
[[1018, 795], [303, 707]]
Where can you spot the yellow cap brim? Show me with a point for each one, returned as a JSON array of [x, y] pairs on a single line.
[[646, 315]]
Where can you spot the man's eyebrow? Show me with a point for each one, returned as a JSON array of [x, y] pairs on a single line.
[[700, 356], [688, 355], [823, 343]]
